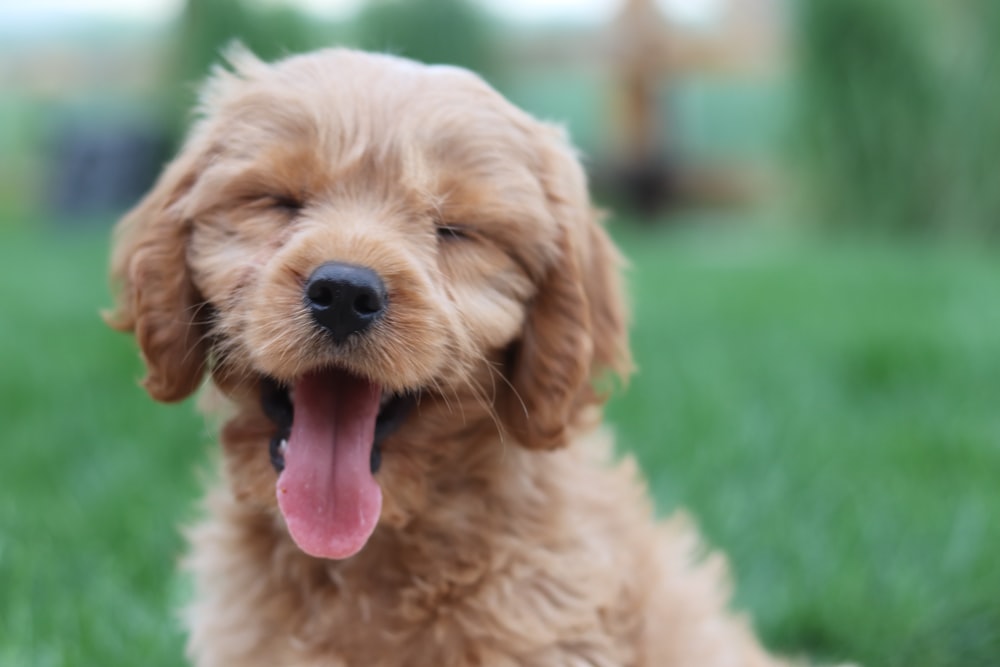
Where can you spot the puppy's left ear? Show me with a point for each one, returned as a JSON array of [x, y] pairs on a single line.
[[576, 330], [156, 298]]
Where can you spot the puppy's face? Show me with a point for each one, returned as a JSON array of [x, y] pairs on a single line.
[[346, 236]]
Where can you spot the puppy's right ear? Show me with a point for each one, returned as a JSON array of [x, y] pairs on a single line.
[[155, 296]]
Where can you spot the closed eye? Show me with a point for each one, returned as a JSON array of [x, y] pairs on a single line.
[[452, 232], [284, 203]]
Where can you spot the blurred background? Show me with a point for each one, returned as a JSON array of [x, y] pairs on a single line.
[[808, 193]]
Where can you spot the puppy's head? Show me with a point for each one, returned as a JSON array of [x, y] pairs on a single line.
[[344, 235]]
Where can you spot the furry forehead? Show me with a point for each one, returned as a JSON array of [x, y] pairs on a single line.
[[315, 120]]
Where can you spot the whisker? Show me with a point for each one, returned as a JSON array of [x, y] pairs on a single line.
[[479, 394]]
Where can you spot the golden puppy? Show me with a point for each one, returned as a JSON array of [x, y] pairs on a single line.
[[399, 290]]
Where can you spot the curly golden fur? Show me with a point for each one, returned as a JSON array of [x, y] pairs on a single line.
[[507, 534]]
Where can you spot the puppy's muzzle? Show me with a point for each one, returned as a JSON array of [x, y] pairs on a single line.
[[345, 299]]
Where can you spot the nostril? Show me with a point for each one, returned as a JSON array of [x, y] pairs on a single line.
[[368, 303], [320, 294]]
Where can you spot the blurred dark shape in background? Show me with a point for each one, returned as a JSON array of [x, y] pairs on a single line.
[[100, 167]]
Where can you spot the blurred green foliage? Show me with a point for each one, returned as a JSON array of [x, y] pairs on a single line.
[[207, 26], [432, 31], [896, 120], [973, 89], [868, 112]]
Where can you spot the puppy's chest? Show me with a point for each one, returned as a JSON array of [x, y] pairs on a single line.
[[424, 623], [306, 612]]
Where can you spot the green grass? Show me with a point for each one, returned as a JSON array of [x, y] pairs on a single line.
[[94, 476], [829, 413], [826, 410]]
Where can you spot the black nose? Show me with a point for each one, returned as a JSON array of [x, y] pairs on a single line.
[[345, 299]]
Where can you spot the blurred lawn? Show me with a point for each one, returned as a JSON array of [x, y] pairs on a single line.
[[825, 409]]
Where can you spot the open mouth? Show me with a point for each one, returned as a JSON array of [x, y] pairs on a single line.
[[277, 401], [326, 450]]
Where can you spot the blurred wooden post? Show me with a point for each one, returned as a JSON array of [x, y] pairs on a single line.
[[639, 38], [647, 53]]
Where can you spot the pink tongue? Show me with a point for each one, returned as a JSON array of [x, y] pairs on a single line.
[[326, 492]]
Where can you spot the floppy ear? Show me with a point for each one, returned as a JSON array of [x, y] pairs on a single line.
[[576, 327], [156, 298]]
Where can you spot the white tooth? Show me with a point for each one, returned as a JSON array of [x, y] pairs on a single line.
[[283, 445]]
